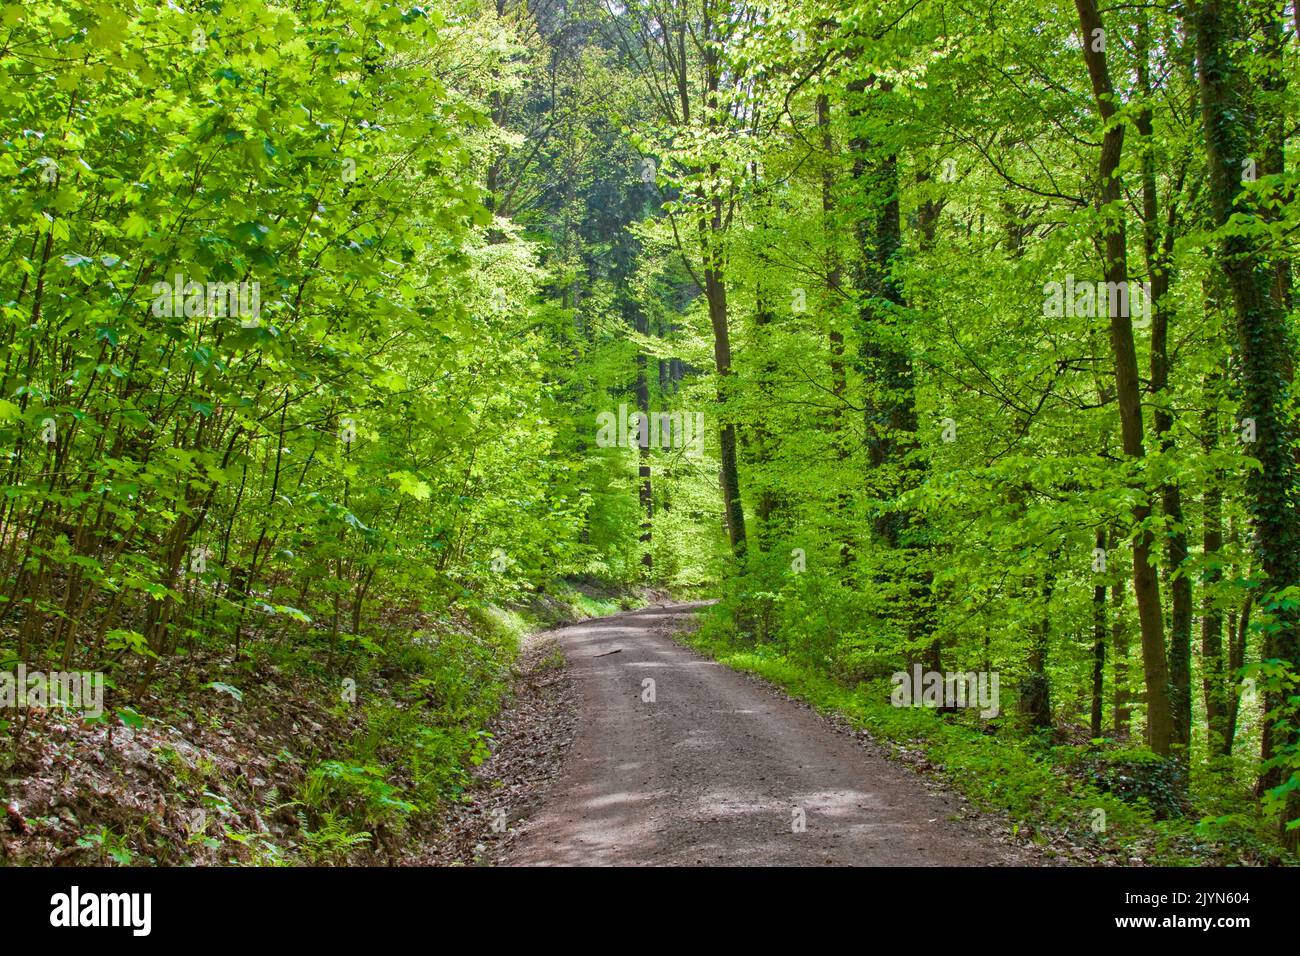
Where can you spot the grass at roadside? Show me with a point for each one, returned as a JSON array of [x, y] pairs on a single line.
[[1079, 800]]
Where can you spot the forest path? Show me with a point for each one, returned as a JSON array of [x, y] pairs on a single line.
[[712, 771]]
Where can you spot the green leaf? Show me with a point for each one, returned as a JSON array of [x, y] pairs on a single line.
[[130, 717], [233, 691]]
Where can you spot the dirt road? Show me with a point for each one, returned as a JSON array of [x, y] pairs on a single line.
[[709, 766]]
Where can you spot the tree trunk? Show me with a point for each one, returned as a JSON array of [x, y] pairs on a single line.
[[1098, 648], [1123, 713], [1214, 671], [1036, 693], [1146, 585], [643, 468], [1158, 248], [1262, 358], [890, 406]]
